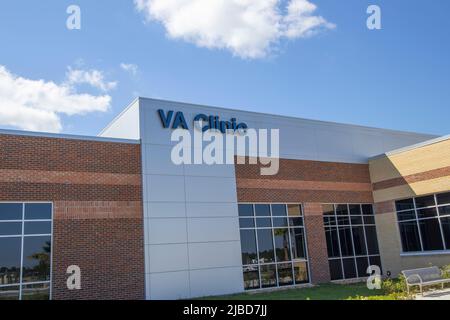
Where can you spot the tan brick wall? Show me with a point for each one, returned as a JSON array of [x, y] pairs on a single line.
[[98, 221]]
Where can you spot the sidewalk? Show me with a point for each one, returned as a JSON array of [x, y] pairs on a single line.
[[435, 295]]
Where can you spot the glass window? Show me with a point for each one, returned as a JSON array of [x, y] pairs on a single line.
[[369, 220], [376, 261], [361, 265], [282, 247], [298, 243], [336, 269], [443, 211], [426, 213], [301, 272], [329, 221], [355, 220], [296, 222], [285, 276], [245, 210], [343, 220], [355, 209], [248, 247], [268, 276], [9, 293], [10, 211], [294, 210], [407, 204], [38, 211], [263, 223], [280, 222], [265, 246], [431, 234], [367, 209], [10, 228], [36, 292], [359, 241], [262, 210], [44, 227], [341, 210], [426, 201], [332, 242], [328, 209], [251, 277], [247, 222], [446, 231], [372, 240], [410, 236], [345, 237], [36, 259], [278, 210], [406, 215], [10, 249], [443, 198], [349, 268]]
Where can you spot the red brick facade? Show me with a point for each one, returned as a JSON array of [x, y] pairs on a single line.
[[97, 195]]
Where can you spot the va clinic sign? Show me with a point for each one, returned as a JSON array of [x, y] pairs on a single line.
[[176, 120]]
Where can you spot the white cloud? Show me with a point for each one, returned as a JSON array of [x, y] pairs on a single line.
[[94, 78], [247, 28], [38, 104], [130, 67]]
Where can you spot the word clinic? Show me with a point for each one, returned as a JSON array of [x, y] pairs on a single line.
[[212, 122]]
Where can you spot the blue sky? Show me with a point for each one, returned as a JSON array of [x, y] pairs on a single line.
[[397, 77]]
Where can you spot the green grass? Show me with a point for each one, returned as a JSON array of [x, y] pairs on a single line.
[[322, 292]]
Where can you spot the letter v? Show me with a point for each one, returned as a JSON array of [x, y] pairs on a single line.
[[165, 120]]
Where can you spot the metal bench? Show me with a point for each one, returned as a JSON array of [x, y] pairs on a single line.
[[424, 277]]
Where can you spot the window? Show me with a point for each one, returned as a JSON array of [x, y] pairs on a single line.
[[25, 255], [352, 242], [424, 223], [273, 245]]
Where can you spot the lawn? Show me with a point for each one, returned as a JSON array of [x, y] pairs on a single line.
[[322, 292]]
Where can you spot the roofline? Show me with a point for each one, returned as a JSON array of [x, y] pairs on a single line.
[[293, 118], [65, 136], [412, 147]]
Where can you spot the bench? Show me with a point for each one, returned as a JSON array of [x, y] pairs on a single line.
[[424, 277]]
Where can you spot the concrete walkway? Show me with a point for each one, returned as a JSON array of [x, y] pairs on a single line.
[[435, 295]]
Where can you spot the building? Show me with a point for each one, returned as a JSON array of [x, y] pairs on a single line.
[[141, 227]]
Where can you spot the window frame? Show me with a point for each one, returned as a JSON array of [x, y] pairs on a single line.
[[417, 220], [21, 283], [289, 227]]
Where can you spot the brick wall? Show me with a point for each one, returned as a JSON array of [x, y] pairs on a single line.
[[97, 195], [311, 183]]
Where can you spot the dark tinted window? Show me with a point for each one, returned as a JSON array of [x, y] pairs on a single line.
[[406, 215], [361, 265], [10, 260], [247, 222], [265, 245], [278, 210], [36, 259], [369, 220], [263, 223], [268, 276], [376, 261], [349, 268], [367, 209], [298, 243], [426, 201], [355, 209], [332, 242], [248, 247], [282, 247], [329, 220], [372, 242], [38, 211], [356, 220], [426, 213], [431, 234], [443, 198], [245, 210], [345, 237], [407, 204], [296, 222], [10, 229], [301, 272], [328, 209], [251, 277], [341, 209], [336, 269], [410, 236], [262, 210], [359, 241], [36, 292], [445, 210], [10, 211], [38, 228], [446, 230], [285, 276], [343, 220]]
